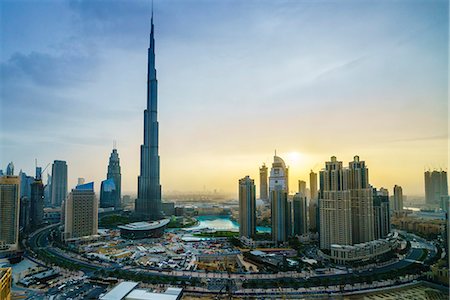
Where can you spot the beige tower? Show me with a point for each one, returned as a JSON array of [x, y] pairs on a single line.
[[334, 205], [312, 208], [398, 199], [302, 187], [247, 207], [9, 212], [263, 188], [81, 213], [362, 202]]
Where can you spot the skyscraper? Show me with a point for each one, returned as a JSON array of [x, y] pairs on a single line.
[[278, 192], [335, 212], [148, 203], [108, 193], [9, 212], [436, 187], [263, 189], [398, 199], [247, 207], [114, 173], [81, 212], [313, 202], [300, 214], [10, 169], [37, 204], [361, 202], [382, 220], [59, 182], [302, 187]]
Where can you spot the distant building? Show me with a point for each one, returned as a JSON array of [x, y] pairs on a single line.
[[114, 173], [25, 184], [382, 219], [300, 214], [10, 169], [59, 182], [302, 187], [168, 208], [25, 214], [9, 212], [313, 208], [5, 283], [108, 193], [37, 204], [398, 199], [81, 213], [81, 181], [247, 207], [263, 187], [48, 192], [436, 187], [278, 193]]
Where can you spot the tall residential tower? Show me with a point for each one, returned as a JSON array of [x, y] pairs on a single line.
[[148, 203], [247, 207]]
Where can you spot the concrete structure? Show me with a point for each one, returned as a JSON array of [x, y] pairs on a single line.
[[278, 193], [397, 200], [81, 213], [5, 283], [302, 187], [9, 212], [263, 187], [300, 214], [148, 203], [247, 207], [382, 219], [143, 230], [59, 182], [334, 205], [313, 185], [128, 290], [436, 187]]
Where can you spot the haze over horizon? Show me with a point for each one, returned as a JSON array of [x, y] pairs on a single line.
[[237, 80]]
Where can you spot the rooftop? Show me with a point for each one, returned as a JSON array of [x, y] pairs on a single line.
[[145, 225], [120, 291]]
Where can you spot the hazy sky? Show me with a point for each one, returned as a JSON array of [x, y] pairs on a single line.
[[237, 80]]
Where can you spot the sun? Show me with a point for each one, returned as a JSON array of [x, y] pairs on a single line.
[[294, 157]]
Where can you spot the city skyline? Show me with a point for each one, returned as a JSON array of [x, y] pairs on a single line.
[[200, 116]]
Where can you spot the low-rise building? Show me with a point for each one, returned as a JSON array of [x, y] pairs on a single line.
[[128, 291]]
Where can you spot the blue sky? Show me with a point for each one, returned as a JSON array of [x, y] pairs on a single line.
[[237, 79]]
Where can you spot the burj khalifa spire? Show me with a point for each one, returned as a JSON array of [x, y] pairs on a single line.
[[148, 203]]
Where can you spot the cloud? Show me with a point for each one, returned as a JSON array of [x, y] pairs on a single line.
[[47, 70]]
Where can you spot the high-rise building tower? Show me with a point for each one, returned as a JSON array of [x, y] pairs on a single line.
[[9, 212], [361, 201], [382, 220], [302, 187], [37, 204], [114, 173], [313, 202], [81, 212], [108, 193], [436, 187], [59, 182], [247, 207], [300, 214], [398, 199], [278, 193], [335, 212], [10, 169], [148, 203], [263, 189]]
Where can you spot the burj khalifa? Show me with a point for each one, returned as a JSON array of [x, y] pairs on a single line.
[[148, 203]]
